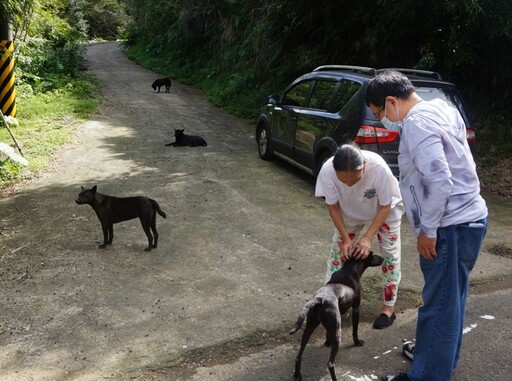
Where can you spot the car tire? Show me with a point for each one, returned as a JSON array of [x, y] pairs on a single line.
[[263, 141], [321, 160]]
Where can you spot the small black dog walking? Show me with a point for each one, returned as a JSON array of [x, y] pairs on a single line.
[[328, 304], [162, 82], [111, 210]]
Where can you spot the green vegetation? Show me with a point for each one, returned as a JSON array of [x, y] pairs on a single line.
[[46, 122], [53, 92], [239, 51]]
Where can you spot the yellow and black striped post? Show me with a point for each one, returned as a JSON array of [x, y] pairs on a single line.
[[7, 92]]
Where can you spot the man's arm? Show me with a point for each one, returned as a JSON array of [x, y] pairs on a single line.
[[430, 160]]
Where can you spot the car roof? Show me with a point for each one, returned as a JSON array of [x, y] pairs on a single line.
[[417, 77]]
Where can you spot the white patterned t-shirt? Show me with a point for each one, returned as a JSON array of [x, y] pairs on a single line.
[[359, 202]]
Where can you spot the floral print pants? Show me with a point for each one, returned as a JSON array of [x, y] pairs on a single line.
[[389, 243]]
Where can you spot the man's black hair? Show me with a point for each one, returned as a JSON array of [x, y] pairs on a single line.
[[388, 83]]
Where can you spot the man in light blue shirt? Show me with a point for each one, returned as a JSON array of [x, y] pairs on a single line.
[[441, 195]]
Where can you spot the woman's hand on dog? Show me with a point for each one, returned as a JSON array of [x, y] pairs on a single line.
[[362, 248], [345, 250]]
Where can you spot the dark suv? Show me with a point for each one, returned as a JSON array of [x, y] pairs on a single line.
[[325, 108]]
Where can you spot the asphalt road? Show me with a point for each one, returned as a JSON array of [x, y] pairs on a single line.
[[243, 246]]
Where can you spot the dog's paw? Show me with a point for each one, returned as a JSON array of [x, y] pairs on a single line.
[[359, 343], [102, 246], [147, 248]]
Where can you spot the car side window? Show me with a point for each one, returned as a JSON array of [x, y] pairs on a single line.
[[297, 95], [345, 92], [322, 94]]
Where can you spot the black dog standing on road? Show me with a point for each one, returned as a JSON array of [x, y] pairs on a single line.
[[328, 304], [162, 82], [111, 210], [183, 139]]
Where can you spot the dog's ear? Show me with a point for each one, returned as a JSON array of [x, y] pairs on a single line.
[[82, 187], [93, 189]]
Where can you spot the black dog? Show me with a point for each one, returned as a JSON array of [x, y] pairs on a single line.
[[183, 139], [111, 210], [328, 304], [162, 82]]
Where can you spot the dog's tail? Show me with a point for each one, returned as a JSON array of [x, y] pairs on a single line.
[[157, 208], [302, 315]]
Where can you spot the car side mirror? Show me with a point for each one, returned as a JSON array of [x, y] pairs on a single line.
[[273, 100]]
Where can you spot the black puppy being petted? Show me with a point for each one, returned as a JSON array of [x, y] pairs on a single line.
[[111, 210], [328, 304], [162, 82], [183, 139]]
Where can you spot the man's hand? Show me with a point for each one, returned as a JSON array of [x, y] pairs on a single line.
[[426, 247]]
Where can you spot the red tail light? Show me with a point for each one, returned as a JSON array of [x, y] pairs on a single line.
[[372, 135], [471, 136]]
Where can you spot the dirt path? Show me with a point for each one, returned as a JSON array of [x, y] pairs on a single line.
[[243, 245], [71, 311]]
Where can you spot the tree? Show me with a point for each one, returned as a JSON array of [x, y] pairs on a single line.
[[105, 19]]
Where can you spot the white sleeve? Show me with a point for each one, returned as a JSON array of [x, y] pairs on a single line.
[[388, 190], [325, 186]]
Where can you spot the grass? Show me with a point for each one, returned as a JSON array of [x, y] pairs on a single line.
[[46, 122]]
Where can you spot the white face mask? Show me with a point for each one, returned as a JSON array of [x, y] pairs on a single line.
[[393, 126]]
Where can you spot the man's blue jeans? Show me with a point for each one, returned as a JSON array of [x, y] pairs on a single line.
[[441, 318]]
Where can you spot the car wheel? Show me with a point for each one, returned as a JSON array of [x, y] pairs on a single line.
[[321, 161], [263, 140]]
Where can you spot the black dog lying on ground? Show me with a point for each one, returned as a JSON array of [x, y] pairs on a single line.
[[162, 82], [111, 210], [183, 139], [328, 304]]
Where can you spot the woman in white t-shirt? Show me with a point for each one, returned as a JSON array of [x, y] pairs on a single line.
[[364, 201]]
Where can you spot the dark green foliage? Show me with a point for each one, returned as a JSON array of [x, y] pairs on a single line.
[[51, 84], [48, 46], [49, 36], [104, 19], [240, 51]]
